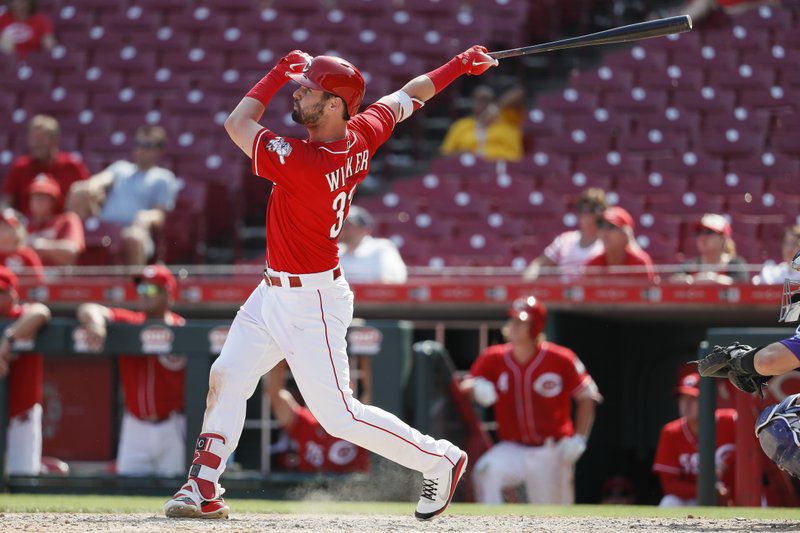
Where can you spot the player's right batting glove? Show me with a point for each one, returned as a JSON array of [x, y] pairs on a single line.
[[734, 362], [294, 62], [476, 60]]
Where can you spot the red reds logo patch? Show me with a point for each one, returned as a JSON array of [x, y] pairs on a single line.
[[364, 340], [156, 339], [548, 385], [342, 452], [216, 339]]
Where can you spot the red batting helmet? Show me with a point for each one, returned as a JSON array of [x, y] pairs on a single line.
[[531, 310], [336, 76]]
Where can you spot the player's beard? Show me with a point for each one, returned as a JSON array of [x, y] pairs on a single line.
[[310, 117]]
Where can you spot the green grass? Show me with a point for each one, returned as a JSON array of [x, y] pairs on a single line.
[[46, 503]]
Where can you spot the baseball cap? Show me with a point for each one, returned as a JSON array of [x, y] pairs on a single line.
[[689, 385], [8, 280], [360, 217], [716, 223], [618, 216], [8, 216], [158, 275], [45, 184]]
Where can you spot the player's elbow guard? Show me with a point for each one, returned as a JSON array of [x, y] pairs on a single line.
[[484, 392]]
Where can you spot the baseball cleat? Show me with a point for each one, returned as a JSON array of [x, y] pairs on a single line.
[[437, 491], [186, 503]]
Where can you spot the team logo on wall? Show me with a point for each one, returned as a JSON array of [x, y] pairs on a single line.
[[364, 340], [342, 452], [216, 338], [156, 339], [83, 342], [548, 385]]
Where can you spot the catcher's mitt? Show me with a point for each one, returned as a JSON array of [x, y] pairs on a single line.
[[731, 362]]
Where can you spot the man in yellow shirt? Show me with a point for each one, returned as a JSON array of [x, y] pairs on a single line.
[[493, 130]]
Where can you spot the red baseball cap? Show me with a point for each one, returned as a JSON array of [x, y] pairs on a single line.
[[618, 216], [158, 275], [8, 216], [689, 385], [8, 280], [716, 223], [45, 184]]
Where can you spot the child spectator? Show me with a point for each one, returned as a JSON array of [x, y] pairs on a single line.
[[717, 262], [57, 238], [620, 248], [23, 29], [775, 274]]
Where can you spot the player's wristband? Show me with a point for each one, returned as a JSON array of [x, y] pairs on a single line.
[[446, 74], [264, 90]]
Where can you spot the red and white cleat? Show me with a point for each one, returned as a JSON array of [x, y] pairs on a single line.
[[187, 503], [437, 491]]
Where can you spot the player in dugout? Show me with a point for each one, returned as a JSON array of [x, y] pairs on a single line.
[[676, 461], [153, 435], [531, 383]]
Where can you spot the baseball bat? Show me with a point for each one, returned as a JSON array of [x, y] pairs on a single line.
[[623, 34]]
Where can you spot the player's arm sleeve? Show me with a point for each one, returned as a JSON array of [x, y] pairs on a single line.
[[118, 314], [482, 367], [273, 157], [375, 123], [578, 381]]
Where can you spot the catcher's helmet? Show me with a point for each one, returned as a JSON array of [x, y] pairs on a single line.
[[531, 310], [336, 76], [778, 431]]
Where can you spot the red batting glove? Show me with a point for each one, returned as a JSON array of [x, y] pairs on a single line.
[[264, 90], [294, 62], [476, 60]]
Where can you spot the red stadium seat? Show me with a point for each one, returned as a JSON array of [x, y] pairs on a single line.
[[573, 185], [126, 58], [125, 101], [765, 17], [196, 19], [785, 186], [58, 61], [500, 187], [92, 80], [731, 142], [777, 56], [689, 164], [738, 37], [194, 60], [103, 243], [577, 142], [192, 103], [462, 205], [539, 123], [706, 100], [164, 39], [162, 82], [231, 39], [368, 8], [709, 57], [431, 227], [612, 163], [763, 205], [539, 204], [427, 189], [461, 166], [637, 100], [688, 204], [654, 143], [540, 163], [653, 184], [71, 18], [744, 76], [742, 118], [602, 79], [496, 225], [601, 119], [767, 164], [731, 184], [675, 77], [59, 101], [775, 99], [568, 101], [670, 119], [134, 18], [636, 58]]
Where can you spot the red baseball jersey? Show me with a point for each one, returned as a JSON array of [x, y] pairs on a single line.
[[534, 400], [66, 169], [318, 451], [677, 460], [25, 378], [633, 257], [24, 258], [26, 34], [313, 185], [153, 386], [65, 226]]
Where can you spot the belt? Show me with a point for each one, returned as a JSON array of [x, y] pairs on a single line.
[[294, 281]]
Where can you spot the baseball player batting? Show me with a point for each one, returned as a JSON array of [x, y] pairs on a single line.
[[749, 369], [302, 308]]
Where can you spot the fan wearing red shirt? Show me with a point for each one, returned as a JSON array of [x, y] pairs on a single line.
[[57, 237], [152, 439], [532, 383], [620, 248], [44, 157], [23, 29], [302, 308], [317, 451], [13, 253], [25, 374], [677, 460]]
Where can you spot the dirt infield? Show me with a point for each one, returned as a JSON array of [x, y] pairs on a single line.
[[144, 522]]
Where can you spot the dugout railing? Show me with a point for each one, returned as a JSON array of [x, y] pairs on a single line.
[[386, 342]]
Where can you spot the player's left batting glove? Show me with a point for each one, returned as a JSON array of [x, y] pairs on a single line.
[[476, 60], [294, 62], [734, 362], [572, 448]]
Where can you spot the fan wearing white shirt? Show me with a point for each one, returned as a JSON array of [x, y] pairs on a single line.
[[774, 274], [364, 258], [572, 249]]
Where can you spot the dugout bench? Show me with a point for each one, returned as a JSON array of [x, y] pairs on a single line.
[[387, 342]]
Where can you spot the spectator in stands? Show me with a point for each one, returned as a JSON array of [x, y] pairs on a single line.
[[153, 435], [13, 252], [700, 10], [44, 158], [25, 374], [532, 384], [364, 258], [135, 195], [316, 450], [572, 249], [57, 238], [775, 274], [620, 248], [676, 456], [493, 130], [23, 29], [717, 262]]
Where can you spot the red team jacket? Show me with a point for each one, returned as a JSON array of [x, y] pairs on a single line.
[[677, 460], [25, 378], [314, 184], [320, 452], [153, 385], [534, 400]]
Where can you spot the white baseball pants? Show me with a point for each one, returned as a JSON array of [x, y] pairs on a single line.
[[547, 477], [307, 326], [24, 443], [152, 448]]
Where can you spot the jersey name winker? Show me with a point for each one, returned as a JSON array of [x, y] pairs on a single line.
[[338, 178]]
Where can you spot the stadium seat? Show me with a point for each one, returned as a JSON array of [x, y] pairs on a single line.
[[126, 58], [731, 184], [731, 143], [232, 40], [539, 123], [571, 186], [124, 101], [195, 60], [427, 188], [196, 19], [670, 119], [706, 100], [738, 37], [540, 163], [743, 76], [767, 164], [461, 205], [675, 77], [603, 79], [654, 143], [765, 204], [91, 80], [689, 164], [777, 57], [59, 60], [577, 142], [636, 58], [132, 19], [58, 102], [709, 57], [162, 82], [192, 103], [601, 119], [612, 163], [775, 99], [785, 186], [688, 204], [68, 18], [103, 243], [636, 100], [742, 118], [461, 166], [653, 184], [568, 101], [765, 17], [498, 188]]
